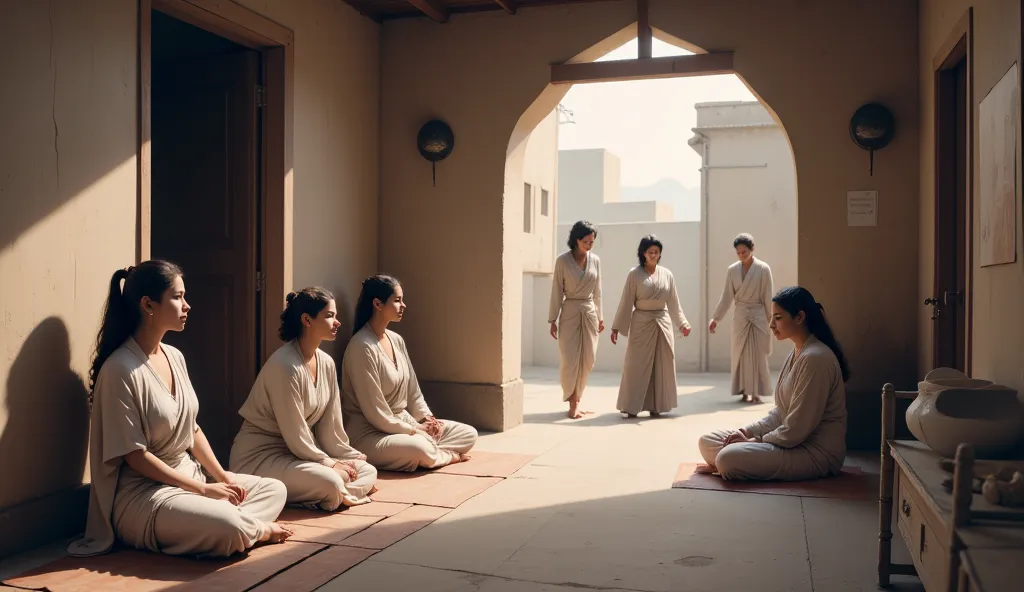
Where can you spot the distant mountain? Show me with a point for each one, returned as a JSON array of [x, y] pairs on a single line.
[[685, 200]]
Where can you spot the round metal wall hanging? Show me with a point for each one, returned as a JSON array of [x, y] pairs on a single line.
[[435, 142], [872, 128]]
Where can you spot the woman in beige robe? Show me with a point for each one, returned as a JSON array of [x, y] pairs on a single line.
[[647, 311], [385, 413], [575, 313], [748, 284], [804, 436], [147, 455], [293, 428]]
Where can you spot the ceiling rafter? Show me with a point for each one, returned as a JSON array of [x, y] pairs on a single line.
[[507, 5], [432, 9]]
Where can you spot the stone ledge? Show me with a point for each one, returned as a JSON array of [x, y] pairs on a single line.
[[487, 407], [42, 520]]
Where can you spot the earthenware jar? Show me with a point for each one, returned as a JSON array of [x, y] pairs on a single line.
[[951, 408]]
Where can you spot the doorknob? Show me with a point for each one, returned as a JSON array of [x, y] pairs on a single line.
[[931, 301]]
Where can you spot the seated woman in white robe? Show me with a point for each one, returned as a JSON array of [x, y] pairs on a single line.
[[293, 428], [749, 285], [804, 436], [648, 309], [147, 455], [385, 413]]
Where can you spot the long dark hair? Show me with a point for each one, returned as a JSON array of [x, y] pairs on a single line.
[[580, 230], [646, 243], [796, 299], [306, 301], [376, 287], [122, 315]]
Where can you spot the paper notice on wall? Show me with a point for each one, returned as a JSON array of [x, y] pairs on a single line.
[[862, 208]]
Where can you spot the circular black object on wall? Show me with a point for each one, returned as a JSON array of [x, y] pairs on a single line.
[[435, 142], [872, 128]]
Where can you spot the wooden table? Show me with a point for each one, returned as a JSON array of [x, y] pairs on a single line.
[[991, 570], [936, 524]]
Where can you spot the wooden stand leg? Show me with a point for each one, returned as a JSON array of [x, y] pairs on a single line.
[[885, 487], [963, 494]]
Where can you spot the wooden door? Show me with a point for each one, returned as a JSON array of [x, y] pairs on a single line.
[[952, 214], [205, 187]]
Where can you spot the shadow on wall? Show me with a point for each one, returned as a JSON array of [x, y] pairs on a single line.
[[44, 443]]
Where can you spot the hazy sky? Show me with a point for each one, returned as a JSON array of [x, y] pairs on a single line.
[[646, 123]]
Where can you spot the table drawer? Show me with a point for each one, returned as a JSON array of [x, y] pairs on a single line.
[[927, 545]]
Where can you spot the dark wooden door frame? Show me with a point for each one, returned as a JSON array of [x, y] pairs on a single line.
[[957, 47], [277, 45]]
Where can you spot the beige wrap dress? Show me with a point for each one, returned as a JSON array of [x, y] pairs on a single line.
[[134, 410], [383, 402], [649, 314], [803, 437], [576, 306], [751, 292], [293, 432]]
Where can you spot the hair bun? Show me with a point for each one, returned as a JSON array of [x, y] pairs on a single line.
[[291, 296]]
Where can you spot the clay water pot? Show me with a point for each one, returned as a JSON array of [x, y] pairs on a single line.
[[951, 408]]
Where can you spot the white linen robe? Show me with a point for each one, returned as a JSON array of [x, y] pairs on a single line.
[[576, 306], [293, 432], [648, 315], [383, 402], [134, 410], [803, 437], [751, 337]]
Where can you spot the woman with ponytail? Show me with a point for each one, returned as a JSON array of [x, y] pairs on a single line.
[[293, 427], [385, 413], [147, 455], [804, 436]]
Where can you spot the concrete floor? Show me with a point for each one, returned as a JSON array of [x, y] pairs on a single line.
[[595, 511]]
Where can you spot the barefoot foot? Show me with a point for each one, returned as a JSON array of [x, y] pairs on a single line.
[[275, 533], [754, 400], [704, 469], [743, 398], [655, 414]]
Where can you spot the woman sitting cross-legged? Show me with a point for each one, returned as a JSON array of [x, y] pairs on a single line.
[[147, 455], [384, 408], [293, 428], [804, 436]]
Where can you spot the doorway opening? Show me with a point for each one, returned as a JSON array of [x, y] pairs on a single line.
[[950, 301], [206, 147]]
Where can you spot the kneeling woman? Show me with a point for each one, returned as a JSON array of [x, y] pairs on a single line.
[[804, 436], [385, 413], [146, 452], [293, 429]]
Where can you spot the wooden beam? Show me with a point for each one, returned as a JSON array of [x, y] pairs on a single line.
[[431, 9], [704, 64], [644, 34], [507, 5]]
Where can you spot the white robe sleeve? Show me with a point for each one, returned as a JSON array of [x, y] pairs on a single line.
[[416, 405], [365, 376], [674, 308], [284, 391], [764, 425], [728, 295], [555, 305], [807, 404], [623, 316], [330, 430]]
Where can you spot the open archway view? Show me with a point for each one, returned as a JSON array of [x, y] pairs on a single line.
[[693, 161]]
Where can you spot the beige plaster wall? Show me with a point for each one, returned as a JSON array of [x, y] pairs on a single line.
[[998, 338], [806, 60], [540, 170], [68, 199]]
